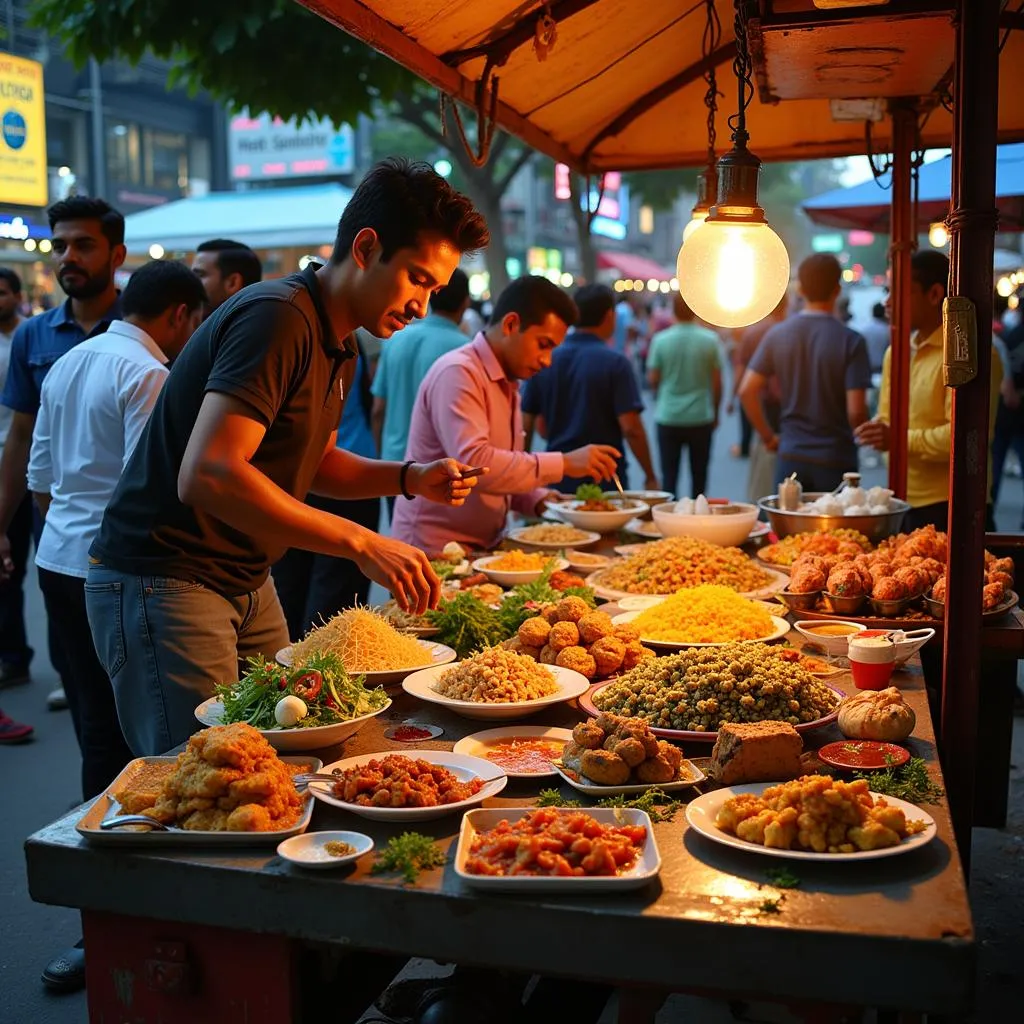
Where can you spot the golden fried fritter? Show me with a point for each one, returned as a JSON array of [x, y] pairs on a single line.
[[534, 632], [563, 634], [594, 626], [577, 659], [627, 632], [631, 750], [588, 735], [608, 653], [656, 769], [604, 768], [888, 588], [572, 752], [571, 609], [635, 653], [548, 655]]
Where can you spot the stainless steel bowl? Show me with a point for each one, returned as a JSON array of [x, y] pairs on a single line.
[[875, 528], [845, 605], [937, 608], [800, 602], [889, 609]]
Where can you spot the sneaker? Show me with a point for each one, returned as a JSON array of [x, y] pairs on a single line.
[[12, 731], [57, 700], [13, 675]]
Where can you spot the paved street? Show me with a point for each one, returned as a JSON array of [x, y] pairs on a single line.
[[41, 781]]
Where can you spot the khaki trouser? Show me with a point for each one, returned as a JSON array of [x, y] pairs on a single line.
[[761, 479]]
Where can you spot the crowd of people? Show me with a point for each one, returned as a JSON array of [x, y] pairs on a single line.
[[199, 461]]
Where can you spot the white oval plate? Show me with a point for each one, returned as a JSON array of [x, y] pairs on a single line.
[[644, 869], [476, 744], [439, 653], [690, 775], [421, 684], [312, 737], [505, 578], [643, 528], [781, 628], [310, 849], [463, 767], [701, 814], [587, 537], [602, 522]]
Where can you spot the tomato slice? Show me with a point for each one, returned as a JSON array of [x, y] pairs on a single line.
[[307, 685]]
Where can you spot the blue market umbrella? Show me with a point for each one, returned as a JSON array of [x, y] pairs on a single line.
[[866, 206]]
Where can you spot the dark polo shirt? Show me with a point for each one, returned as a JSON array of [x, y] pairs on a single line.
[[272, 347]]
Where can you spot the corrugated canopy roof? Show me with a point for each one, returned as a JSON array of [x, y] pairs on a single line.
[[261, 218], [621, 88]]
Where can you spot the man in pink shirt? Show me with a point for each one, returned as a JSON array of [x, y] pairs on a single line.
[[468, 408]]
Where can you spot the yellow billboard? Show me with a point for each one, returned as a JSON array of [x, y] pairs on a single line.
[[23, 178]]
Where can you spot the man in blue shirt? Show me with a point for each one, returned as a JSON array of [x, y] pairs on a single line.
[[589, 394], [88, 247], [824, 373], [405, 360]]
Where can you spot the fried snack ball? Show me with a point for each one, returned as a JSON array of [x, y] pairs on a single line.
[[595, 625], [608, 653], [635, 653], [656, 769], [845, 581], [811, 561], [609, 722], [1005, 580], [513, 644], [534, 632], [550, 614], [1003, 565], [571, 609], [572, 752], [806, 580], [604, 768], [939, 589], [889, 588], [530, 652], [562, 635], [578, 660], [548, 655], [881, 568], [627, 632], [991, 595], [631, 750], [673, 755], [915, 580], [588, 735]]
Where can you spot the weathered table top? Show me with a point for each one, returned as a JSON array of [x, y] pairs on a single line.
[[892, 933]]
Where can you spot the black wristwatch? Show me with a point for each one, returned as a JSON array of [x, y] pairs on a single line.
[[402, 477]]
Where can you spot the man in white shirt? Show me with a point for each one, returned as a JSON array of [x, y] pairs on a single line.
[[95, 403]]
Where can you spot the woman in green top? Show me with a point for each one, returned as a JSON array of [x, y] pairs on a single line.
[[684, 371]]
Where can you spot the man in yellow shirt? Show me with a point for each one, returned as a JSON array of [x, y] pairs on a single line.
[[929, 415]]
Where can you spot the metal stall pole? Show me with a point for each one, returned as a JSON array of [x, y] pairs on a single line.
[[972, 223], [903, 241]]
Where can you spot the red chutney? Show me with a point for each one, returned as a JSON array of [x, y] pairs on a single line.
[[555, 842], [405, 733], [524, 755]]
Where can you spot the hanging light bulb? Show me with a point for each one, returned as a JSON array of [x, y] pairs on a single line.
[[734, 270], [707, 186]]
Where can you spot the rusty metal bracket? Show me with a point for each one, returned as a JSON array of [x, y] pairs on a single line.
[[959, 342]]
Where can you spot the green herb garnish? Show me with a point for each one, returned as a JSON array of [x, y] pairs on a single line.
[[910, 782], [526, 601], [782, 878], [656, 802], [553, 798], [771, 906], [466, 624], [409, 854], [589, 492]]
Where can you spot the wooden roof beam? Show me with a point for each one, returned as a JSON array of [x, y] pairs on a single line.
[[685, 77]]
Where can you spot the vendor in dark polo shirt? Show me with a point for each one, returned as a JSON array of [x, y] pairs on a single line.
[[244, 429]]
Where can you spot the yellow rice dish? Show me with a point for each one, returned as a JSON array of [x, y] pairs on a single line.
[[707, 614], [519, 561]]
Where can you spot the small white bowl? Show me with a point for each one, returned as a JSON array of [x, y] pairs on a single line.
[[600, 522], [309, 850], [639, 602], [835, 645], [585, 563], [913, 640], [725, 529], [512, 579]]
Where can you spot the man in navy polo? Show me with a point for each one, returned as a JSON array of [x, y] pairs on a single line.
[[88, 247], [589, 394]]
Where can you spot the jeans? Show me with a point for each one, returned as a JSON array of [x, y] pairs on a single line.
[[165, 643], [14, 649], [90, 695], [671, 442], [312, 587], [812, 476]]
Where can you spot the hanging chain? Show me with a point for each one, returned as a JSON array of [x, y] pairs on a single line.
[[709, 44], [743, 70]]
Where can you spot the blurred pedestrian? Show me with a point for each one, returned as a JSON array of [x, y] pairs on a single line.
[[589, 394], [685, 373], [823, 372], [877, 334], [225, 267]]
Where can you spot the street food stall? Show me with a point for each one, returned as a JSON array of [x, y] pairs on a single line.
[[690, 803]]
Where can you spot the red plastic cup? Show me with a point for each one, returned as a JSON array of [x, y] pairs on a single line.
[[872, 660], [868, 676]]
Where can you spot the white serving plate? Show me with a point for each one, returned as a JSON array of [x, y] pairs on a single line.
[[106, 806], [602, 522], [780, 629], [309, 850], [701, 813], [689, 775], [439, 654], [643, 528], [463, 767], [421, 684], [505, 578], [587, 539], [312, 737], [584, 568], [644, 869], [476, 744]]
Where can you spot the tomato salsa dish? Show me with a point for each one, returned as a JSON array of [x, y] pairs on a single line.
[[524, 754], [556, 843], [398, 781]]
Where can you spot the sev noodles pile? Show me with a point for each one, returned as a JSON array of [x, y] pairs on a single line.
[[365, 641]]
